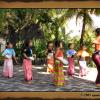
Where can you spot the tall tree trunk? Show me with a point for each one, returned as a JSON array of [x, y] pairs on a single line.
[[83, 29], [56, 33], [56, 36]]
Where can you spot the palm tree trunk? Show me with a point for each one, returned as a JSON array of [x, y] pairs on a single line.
[[56, 36], [56, 33], [83, 29]]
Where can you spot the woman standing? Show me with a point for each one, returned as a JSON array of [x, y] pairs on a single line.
[[96, 55], [58, 68], [27, 61]]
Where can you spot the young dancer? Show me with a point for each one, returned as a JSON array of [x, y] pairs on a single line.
[[83, 54], [27, 61], [8, 54], [58, 68], [50, 57], [70, 55], [96, 55]]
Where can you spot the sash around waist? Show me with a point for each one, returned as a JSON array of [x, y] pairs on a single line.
[[97, 52]]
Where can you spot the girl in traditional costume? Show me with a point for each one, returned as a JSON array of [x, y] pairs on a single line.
[[83, 55], [27, 61], [58, 68], [70, 55], [96, 55], [8, 54], [50, 57]]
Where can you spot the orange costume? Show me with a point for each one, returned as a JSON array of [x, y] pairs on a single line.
[[50, 62], [58, 70]]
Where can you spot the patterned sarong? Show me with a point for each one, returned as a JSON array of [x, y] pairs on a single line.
[[58, 74], [8, 68], [27, 67]]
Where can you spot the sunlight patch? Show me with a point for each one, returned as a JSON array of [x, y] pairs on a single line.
[[43, 73], [38, 67]]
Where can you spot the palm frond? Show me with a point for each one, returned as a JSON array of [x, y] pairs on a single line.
[[89, 20], [68, 14]]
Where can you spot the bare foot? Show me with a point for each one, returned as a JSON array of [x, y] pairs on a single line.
[[30, 82], [98, 85]]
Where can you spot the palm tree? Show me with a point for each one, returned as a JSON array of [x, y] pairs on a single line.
[[83, 14], [58, 22]]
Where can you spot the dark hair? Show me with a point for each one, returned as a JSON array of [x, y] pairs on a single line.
[[69, 45], [97, 31], [8, 43], [26, 43], [57, 43], [49, 43], [82, 45]]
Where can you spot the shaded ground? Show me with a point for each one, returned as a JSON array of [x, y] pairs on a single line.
[[43, 81]]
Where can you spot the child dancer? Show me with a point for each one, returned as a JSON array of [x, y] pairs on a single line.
[[50, 58], [27, 61], [8, 54], [70, 54], [96, 55], [58, 69], [83, 54]]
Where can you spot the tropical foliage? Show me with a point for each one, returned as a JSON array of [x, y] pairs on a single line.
[[43, 25]]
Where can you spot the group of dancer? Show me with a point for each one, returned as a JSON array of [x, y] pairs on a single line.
[[9, 55], [56, 59]]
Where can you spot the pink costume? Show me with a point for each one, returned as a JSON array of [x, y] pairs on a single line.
[[70, 55], [27, 67], [71, 68], [27, 64], [8, 62]]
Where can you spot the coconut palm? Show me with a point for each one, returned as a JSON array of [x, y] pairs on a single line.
[[83, 14]]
